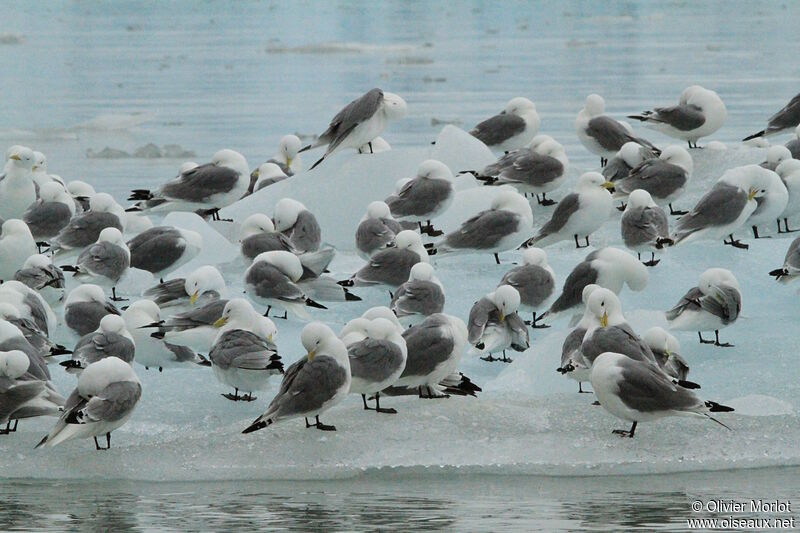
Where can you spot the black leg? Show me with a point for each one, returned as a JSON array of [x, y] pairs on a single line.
[[96, 444], [379, 409], [736, 244], [755, 232], [14, 429], [534, 321], [581, 391], [285, 315], [786, 223], [721, 345], [506, 359], [370, 147], [323, 427], [114, 296], [307, 424], [546, 202], [675, 211], [108, 440], [603, 161], [232, 397], [364, 399], [626, 432], [587, 241], [497, 259], [702, 340], [653, 261], [269, 308]]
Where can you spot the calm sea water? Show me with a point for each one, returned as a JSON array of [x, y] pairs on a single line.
[[217, 74]]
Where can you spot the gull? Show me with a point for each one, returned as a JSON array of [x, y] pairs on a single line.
[[164, 249], [32, 332], [628, 157], [601, 134], [21, 394], [265, 175], [313, 384], [83, 230], [538, 170], [771, 205], [534, 280], [258, 235], [573, 364], [512, 128], [17, 189], [713, 304], [787, 118], [112, 339], [50, 213], [638, 392], [194, 328], [664, 177], [791, 264], [151, 352], [81, 192], [201, 286], [103, 401], [376, 362], [40, 274], [794, 144], [789, 172], [376, 230], [494, 324], [775, 156], [502, 227], [39, 171], [725, 208], [579, 214], [359, 122], [424, 197], [666, 349], [272, 280], [206, 188], [392, 266], [104, 262], [85, 306], [419, 297], [30, 305], [700, 112], [611, 268], [244, 355], [16, 245], [434, 351], [287, 159], [644, 226], [12, 338], [298, 224]]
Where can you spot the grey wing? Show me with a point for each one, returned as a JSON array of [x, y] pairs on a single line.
[[269, 282], [284, 168], [571, 343], [46, 219], [724, 302], [568, 206], [616, 169], [419, 197], [38, 278], [390, 266], [788, 117], [683, 117], [572, 292], [105, 259], [346, 120], [484, 230], [690, 301], [792, 258], [794, 148], [201, 182], [183, 354], [84, 230], [609, 133], [479, 316], [94, 347], [157, 252], [243, 349], [14, 394], [202, 316], [84, 317], [38, 312], [266, 242], [429, 344], [655, 176], [167, 292], [505, 161], [534, 169], [116, 401], [373, 359], [643, 225], [617, 339], [306, 234], [534, 283], [314, 383], [372, 234], [644, 388], [720, 206], [520, 341], [499, 128], [418, 297]]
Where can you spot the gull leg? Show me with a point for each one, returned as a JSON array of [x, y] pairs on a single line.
[[269, 308], [364, 399], [625, 432], [370, 147], [581, 391], [676, 212], [108, 440], [323, 427], [653, 261], [232, 397], [587, 242], [702, 340], [603, 161], [786, 223], [534, 321], [307, 424], [385, 410], [506, 359], [497, 259], [721, 345], [96, 444], [735, 243], [755, 233], [546, 202], [114, 297]]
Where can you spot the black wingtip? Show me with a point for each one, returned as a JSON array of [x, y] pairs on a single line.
[[59, 350], [714, 407], [71, 363], [304, 149], [255, 426], [202, 360], [316, 305], [69, 268], [41, 443], [320, 160], [431, 251], [350, 297], [346, 283], [688, 384], [157, 335], [755, 135], [664, 241], [778, 273]]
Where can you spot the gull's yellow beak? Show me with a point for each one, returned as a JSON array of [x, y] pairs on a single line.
[[604, 320], [311, 354], [254, 174], [221, 321], [193, 297], [751, 194], [269, 337], [34, 167], [288, 161], [502, 316], [15, 157], [608, 185], [667, 352]]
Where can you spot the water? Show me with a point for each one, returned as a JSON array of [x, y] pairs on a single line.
[[241, 75], [384, 502]]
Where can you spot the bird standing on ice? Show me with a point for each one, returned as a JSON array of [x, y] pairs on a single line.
[[359, 122], [425, 197], [494, 324], [512, 128], [535, 282], [664, 177], [644, 226], [787, 118]]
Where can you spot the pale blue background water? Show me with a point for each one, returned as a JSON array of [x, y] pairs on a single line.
[[218, 75]]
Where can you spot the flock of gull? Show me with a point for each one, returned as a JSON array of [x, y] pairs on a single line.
[[52, 227]]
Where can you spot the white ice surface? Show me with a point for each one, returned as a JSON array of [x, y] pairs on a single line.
[[529, 419]]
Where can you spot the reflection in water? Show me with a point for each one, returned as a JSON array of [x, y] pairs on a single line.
[[373, 503]]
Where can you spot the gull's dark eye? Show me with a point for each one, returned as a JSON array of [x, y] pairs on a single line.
[[602, 304]]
